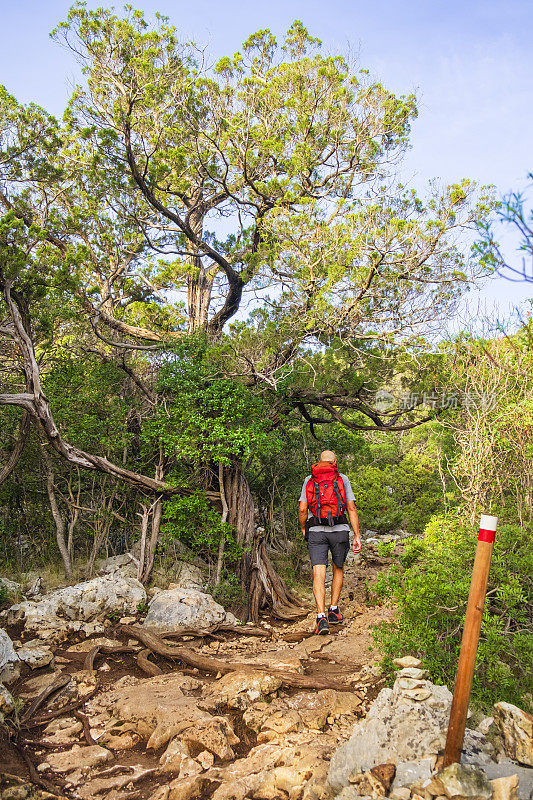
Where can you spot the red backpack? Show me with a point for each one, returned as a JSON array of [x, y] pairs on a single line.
[[325, 493]]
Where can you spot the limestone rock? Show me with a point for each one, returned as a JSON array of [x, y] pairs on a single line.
[[397, 728], [412, 672], [407, 661], [87, 602], [34, 654], [301, 711], [401, 793], [178, 609], [78, 757], [176, 758], [409, 773], [187, 576], [157, 710], [463, 782], [9, 660], [516, 727], [7, 704], [505, 769], [240, 689], [11, 587], [125, 564], [62, 731], [485, 725], [504, 788]]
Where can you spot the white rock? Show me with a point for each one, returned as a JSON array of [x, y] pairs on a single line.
[[78, 757], [407, 661], [485, 725], [34, 654], [412, 672], [79, 607], [395, 729], [9, 660], [12, 587], [126, 564], [410, 772], [178, 608]]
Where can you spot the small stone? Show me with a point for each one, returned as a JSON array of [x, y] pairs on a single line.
[[127, 620], [7, 704], [413, 672], [385, 774], [407, 661], [460, 781], [485, 725], [205, 759], [35, 654], [516, 727], [409, 773], [505, 788], [402, 793]]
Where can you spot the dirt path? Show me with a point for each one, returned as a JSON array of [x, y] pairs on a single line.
[[187, 733]]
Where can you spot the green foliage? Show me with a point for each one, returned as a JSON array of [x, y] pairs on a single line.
[[430, 584], [193, 521], [229, 590], [405, 493], [206, 416]]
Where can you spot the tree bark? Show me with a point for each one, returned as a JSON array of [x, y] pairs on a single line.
[[17, 451], [259, 580], [200, 280], [220, 558], [59, 521]]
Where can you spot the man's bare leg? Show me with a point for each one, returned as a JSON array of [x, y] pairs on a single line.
[[336, 585], [319, 587]]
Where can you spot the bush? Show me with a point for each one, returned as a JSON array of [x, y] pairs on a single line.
[[406, 494], [430, 584]]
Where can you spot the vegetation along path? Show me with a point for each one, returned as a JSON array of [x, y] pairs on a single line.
[[113, 717]]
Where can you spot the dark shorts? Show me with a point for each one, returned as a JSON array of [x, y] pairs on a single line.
[[319, 543]]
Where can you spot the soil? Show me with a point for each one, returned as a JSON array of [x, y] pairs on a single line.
[[347, 656]]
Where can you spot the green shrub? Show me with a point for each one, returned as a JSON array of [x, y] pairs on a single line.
[[430, 584], [403, 494]]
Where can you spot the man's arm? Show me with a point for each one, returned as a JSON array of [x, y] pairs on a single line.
[[302, 515], [354, 522]]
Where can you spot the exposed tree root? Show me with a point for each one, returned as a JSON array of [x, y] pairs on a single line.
[[146, 665], [59, 683], [88, 664], [36, 723], [216, 665], [86, 726]]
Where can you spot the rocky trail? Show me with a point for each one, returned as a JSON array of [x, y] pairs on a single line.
[[196, 706]]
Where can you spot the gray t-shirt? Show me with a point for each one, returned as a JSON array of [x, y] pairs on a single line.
[[349, 496]]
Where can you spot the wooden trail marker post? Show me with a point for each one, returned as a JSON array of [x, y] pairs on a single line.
[[470, 640]]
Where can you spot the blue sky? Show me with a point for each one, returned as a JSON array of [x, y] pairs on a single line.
[[470, 64]]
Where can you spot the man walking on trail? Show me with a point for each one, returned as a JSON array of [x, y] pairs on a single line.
[[325, 499]]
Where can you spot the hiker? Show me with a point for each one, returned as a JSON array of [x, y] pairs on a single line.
[[326, 496]]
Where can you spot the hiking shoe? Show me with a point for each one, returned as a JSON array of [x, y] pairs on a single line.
[[334, 617], [322, 626]]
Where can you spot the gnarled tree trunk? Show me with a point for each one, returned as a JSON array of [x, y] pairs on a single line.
[[260, 581]]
